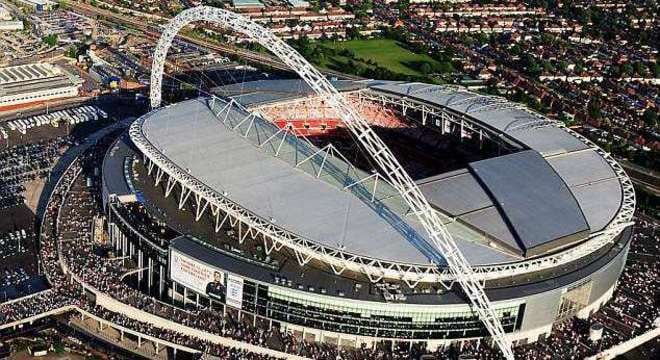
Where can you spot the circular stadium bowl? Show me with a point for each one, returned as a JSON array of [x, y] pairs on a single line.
[[268, 216]]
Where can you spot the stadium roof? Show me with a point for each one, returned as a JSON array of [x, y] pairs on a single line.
[[260, 92], [533, 200], [549, 195], [588, 176], [316, 208]]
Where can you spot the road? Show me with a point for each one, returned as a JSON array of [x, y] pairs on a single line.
[[154, 32], [642, 177], [52, 105]]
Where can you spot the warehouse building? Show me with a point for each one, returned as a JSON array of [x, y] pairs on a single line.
[[24, 85]]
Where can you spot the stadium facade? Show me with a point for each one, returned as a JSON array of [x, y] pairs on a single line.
[[255, 218]]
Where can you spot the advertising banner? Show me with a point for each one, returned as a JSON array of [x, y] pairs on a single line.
[[196, 275], [234, 291]]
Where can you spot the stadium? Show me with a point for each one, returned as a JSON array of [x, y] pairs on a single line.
[[257, 214], [263, 201]]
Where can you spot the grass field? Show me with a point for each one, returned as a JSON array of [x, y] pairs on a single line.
[[387, 53]]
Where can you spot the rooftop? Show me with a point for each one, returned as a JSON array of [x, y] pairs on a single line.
[[34, 77], [247, 3], [552, 193], [301, 199]]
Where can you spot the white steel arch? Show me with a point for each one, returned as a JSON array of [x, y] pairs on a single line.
[[367, 138]]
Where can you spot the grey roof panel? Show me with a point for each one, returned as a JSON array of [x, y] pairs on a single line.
[[490, 221], [32, 71], [600, 201], [531, 196], [479, 254], [257, 98], [582, 167], [549, 140], [456, 194], [40, 69]]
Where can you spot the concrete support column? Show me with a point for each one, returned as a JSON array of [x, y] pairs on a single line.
[[111, 232], [173, 292], [117, 239], [139, 341], [140, 265], [461, 134], [151, 274], [161, 281]]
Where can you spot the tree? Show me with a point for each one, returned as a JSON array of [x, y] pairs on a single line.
[[593, 109], [347, 53], [444, 67], [562, 65], [51, 40], [403, 5], [72, 52], [425, 68], [650, 117], [627, 70], [353, 32], [640, 68]]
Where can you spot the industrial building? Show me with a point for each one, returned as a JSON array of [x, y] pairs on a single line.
[[35, 83]]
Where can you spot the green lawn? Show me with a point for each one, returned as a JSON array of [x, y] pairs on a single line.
[[387, 53]]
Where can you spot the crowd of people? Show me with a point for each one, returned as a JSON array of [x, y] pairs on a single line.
[[37, 304], [68, 243], [632, 311]]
